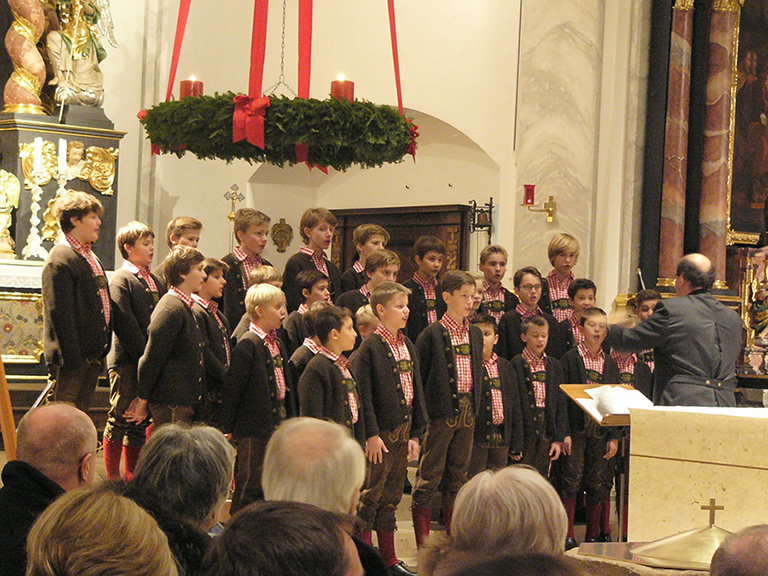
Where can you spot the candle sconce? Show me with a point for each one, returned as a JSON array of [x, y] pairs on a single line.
[[529, 201], [481, 217]]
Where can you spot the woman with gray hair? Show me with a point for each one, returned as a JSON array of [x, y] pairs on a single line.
[[182, 479], [509, 511]]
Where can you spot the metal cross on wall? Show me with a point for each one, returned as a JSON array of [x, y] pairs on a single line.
[[712, 508], [233, 195]]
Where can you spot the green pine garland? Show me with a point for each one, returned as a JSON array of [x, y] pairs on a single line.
[[337, 133]]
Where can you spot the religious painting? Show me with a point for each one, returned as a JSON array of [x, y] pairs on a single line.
[[749, 185]]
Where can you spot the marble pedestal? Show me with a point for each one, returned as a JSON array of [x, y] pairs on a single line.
[[682, 457]]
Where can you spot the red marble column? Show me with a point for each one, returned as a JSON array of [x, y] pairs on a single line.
[[676, 143], [716, 163]]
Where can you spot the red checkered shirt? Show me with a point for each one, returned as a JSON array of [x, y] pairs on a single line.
[[85, 251], [213, 308], [277, 359], [459, 334], [313, 347], [365, 291], [491, 295], [402, 358], [558, 290], [497, 403], [593, 363], [142, 273], [183, 296], [430, 293], [302, 308], [648, 357], [537, 365], [247, 263], [317, 257], [625, 361], [525, 313], [343, 365], [576, 327], [358, 267]]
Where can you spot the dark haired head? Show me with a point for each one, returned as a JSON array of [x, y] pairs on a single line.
[[485, 320], [455, 279], [698, 271], [276, 538], [179, 262], [211, 265], [330, 318], [645, 296], [517, 279], [537, 320], [306, 280], [581, 284], [309, 317], [426, 244], [590, 312]]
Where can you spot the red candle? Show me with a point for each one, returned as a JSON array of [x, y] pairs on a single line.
[[529, 197], [191, 87], [343, 89]]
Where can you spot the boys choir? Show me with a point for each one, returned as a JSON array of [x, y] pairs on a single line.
[[425, 370]]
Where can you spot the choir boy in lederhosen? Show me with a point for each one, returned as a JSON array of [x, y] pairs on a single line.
[[327, 389], [76, 305], [570, 332], [311, 345], [171, 368], [314, 288], [451, 356], [366, 321], [645, 304], [543, 404], [217, 351], [181, 231], [563, 253], [588, 447], [380, 266], [386, 370], [496, 298], [425, 302], [257, 393], [499, 423], [265, 274], [252, 232], [527, 282], [316, 227], [135, 292], [367, 238]]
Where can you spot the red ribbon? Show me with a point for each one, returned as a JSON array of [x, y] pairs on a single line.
[[414, 134], [181, 26], [305, 46], [395, 55], [302, 155], [248, 119], [155, 148]]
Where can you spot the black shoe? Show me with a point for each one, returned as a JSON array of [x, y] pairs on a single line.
[[407, 488], [570, 543], [400, 569], [605, 537]]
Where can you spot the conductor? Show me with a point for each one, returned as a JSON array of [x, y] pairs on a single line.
[[696, 341]]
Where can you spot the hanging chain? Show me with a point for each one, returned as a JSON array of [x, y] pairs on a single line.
[[281, 79]]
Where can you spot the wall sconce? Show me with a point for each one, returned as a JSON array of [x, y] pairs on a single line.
[[529, 201], [481, 217]]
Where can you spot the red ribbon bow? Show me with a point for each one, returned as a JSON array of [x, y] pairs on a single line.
[[302, 155], [414, 134], [248, 119], [155, 148]]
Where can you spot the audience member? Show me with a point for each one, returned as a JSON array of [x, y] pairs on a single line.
[[742, 554], [55, 453], [317, 462], [279, 538], [97, 532], [511, 511], [525, 565]]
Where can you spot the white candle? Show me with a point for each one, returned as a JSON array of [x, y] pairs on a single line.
[[62, 156], [37, 158]]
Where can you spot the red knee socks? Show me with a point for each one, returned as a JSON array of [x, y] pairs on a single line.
[[113, 450], [387, 547]]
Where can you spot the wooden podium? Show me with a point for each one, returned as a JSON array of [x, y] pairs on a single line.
[[682, 457]]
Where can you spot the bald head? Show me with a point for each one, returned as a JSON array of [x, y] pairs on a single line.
[[742, 554], [315, 462], [59, 441], [694, 272]]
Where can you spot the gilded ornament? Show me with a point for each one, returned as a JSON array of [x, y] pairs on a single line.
[[684, 4], [99, 168], [10, 191], [282, 235], [727, 5], [47, 170]]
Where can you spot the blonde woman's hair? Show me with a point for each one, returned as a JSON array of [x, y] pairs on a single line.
[[94, 531], [509, 511]]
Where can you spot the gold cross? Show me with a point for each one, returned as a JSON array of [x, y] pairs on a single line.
[[712, 509]]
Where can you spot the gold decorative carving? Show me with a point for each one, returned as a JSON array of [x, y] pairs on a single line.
[[720, 285], [684, 4], [282, 235], [47, 170], [727, 5], [99, 168], [733, 237], [10, 191], [665, 282]]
